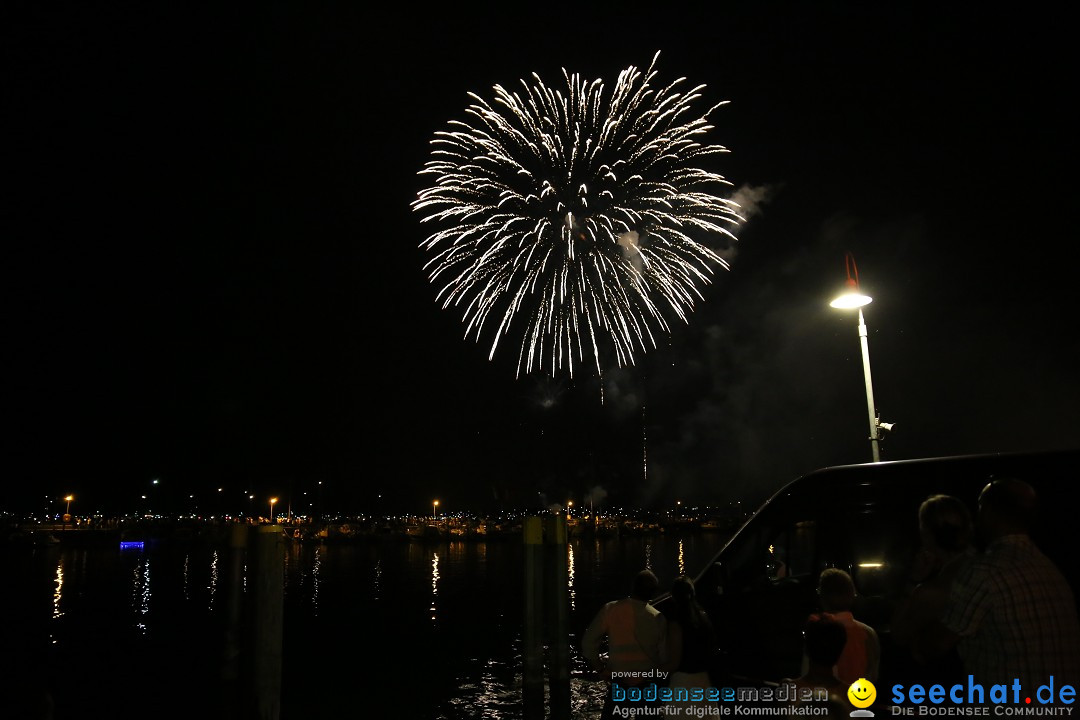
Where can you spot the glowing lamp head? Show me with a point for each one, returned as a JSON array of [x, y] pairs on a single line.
[[851, 298]]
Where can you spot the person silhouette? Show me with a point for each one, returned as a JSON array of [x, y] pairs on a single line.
[[636, 634], [947, 533], [1011, 613], [862, 650], [823, 642], [691, 646]]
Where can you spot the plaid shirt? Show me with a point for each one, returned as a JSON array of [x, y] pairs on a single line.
[[1016, 618]]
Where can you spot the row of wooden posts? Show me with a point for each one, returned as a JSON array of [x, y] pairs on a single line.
[[252, 658]]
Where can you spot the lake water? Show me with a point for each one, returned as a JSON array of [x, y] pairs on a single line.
[[385, 628]]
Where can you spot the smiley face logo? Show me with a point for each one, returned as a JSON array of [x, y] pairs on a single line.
[[862, 693]]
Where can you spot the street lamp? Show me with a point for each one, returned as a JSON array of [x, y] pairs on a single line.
[[851, 299], [434, 511], [67, 511], [272, 501]]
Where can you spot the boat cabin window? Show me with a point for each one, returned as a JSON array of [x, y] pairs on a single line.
[[779, 547]]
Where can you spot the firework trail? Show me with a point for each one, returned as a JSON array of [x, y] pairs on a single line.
[[579, 222]]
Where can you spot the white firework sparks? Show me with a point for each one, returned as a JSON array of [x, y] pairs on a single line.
[[580, 221]]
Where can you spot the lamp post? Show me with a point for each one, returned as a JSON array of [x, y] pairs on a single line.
[[152, 499], [434, 511], [272, 501], [853, 299], [69, 498]]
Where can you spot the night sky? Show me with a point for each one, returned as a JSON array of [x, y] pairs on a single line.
[[212, 274]]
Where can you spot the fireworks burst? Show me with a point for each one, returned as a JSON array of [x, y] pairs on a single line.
[[580, 222]]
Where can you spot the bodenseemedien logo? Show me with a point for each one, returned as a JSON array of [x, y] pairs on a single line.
[[862, 694]]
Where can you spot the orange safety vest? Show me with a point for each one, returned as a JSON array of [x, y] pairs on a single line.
[[626, 651]]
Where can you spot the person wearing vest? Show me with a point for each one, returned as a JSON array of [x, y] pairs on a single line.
[[861, 655], [636, 634]]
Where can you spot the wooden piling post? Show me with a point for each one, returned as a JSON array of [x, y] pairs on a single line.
[[558, 612], [533, 675], [230, 661], [269, 605]]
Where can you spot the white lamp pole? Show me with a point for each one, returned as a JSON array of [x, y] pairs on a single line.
[[852, 298], [874, 438]]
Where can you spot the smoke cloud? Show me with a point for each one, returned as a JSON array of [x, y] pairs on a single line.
[[750, 198], [596, 495]]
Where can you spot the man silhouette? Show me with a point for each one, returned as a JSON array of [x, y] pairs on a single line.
[[1011, 613]]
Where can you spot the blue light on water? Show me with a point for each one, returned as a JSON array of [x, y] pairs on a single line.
[[131, 545]]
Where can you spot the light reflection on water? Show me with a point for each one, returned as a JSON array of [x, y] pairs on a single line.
[[141, 594], [316, 568], [570, 574], [213, 579], [434, 584], [490, 697], [470, 592], [58, 594], [377, 579]]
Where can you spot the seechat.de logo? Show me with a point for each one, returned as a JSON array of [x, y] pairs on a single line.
[[862, 694]]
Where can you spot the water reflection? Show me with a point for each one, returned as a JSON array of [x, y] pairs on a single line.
[[58, 594], [213, 578], [496, 694], [141, 594], [316, 569], [570, 574], [648, 556], [378, 577], [474, 605], [434, 584]]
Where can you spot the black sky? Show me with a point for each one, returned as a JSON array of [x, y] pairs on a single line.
[[212, 273]]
